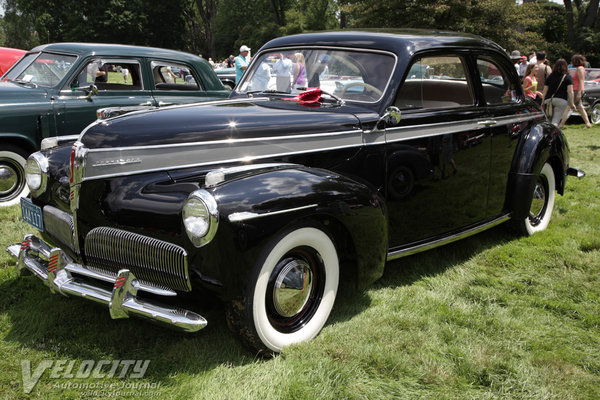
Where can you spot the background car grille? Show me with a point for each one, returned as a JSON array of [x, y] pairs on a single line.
[[151, 260], [59, 225]]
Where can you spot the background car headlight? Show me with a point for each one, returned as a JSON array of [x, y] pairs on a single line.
[[36, 173], [200, 217]]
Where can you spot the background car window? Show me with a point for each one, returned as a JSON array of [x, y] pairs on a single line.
[[43, 69], [497, 87], [169, 76], [436, 82], [110, 75]]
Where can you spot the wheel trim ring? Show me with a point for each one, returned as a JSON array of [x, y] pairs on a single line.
[[289, 324], [540, 195], [19, 173], [595, 114]]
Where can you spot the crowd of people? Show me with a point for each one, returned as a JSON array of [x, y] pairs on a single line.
[[553, 87]]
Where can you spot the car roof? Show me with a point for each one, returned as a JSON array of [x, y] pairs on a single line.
[[105, 49], [399, 41]]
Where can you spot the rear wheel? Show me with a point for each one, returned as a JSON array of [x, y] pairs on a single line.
[[595, 114], [542, 204], [12, 175], [290, 294]]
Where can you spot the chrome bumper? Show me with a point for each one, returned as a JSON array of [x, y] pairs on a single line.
[[57, 274]]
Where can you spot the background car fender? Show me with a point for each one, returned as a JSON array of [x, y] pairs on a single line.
[[253, 208], [24, 142], [543, 143]]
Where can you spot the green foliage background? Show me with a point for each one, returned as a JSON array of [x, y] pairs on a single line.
[[216, 28]]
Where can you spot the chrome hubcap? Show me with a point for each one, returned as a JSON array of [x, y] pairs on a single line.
[[9, 179], [595, 117], [292, 288], [538, 203]]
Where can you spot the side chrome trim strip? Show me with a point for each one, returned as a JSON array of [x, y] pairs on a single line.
[[123, 161], [440, 242], [426, 130], [246, 215]]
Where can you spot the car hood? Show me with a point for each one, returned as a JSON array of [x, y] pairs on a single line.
[[228, 120], [218, 133], [13, 93]]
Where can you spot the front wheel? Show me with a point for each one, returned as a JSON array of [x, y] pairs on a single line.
[[12, 175], [290, 293], [542, 204]]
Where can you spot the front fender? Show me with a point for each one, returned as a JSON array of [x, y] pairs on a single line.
[[543, 143], [254, 208]]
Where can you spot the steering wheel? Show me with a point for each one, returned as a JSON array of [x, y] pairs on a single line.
[[365, 85]]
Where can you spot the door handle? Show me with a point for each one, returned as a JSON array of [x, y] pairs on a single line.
[[164, 103], [489, 122]]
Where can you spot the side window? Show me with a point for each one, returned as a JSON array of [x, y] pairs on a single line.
[[497, 87], [110, 75], [170, 76], [436, 82]]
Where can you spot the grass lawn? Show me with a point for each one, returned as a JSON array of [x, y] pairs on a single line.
[[491, 317]]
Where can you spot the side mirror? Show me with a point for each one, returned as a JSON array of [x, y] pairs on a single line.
[[392, 117], [89, 91]]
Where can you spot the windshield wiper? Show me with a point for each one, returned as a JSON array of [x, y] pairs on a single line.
[[26, 83], [270, 91]]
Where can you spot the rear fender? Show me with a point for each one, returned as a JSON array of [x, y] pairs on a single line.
[[544, 143]]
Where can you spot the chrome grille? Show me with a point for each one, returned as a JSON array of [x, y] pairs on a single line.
[[59, 225], [150, 260]]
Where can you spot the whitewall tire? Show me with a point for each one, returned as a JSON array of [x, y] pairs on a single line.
[[291, 293], [542, 204]]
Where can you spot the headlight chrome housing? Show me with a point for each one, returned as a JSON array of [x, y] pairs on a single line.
[[200, 217], [36, 173]]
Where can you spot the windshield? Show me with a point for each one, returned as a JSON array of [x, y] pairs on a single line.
[[41, 69], [360, 76]]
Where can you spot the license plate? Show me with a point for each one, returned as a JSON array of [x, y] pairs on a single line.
[[32, 214]]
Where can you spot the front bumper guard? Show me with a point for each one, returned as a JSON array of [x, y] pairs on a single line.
[[122, 301]]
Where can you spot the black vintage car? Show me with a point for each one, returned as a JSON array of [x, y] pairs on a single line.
[[389, 145]]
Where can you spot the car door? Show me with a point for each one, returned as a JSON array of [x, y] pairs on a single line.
[[438, 156], [178, 83], [508, 116], [119, 81]]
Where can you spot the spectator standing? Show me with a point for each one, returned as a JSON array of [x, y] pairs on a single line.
[[532, 57], [543, 70], [317, 69], [283, 73], [230, 61], [578, 61], [261, 77], [299, 71], [559, 91], [515, 56], [241, 63], [522, 67], [530, 84]]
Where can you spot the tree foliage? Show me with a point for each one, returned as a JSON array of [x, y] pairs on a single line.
[[217, 28]]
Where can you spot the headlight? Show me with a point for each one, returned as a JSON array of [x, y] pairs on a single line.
[[200, 217], [36, 173]]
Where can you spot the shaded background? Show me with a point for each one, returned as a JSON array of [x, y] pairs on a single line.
[[217, 28]]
